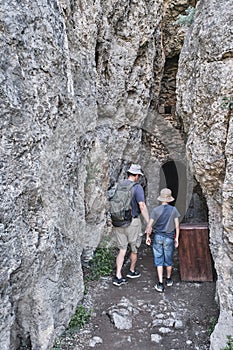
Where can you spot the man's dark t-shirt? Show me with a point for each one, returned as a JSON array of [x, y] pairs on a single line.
[[137, 196]]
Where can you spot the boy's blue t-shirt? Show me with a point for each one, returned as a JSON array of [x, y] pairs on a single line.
[[163, 217]]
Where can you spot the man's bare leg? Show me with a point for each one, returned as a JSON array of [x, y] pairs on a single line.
[[133, 260], [119, 262]]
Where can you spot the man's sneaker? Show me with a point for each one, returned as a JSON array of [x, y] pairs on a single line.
[[134, 274], [159, 287], [119, 281], [169, 282]]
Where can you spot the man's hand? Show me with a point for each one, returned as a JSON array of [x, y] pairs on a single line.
[[148, 240]]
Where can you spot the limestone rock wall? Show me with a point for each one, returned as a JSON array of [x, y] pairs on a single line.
[[205, 80], [41, 226], [77, 78], [84, 92]]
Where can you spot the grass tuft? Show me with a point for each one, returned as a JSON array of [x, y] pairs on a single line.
[[229, 345], [101, 264], [80, 318]]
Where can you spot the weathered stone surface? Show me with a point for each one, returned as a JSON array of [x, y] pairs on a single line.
[[204, 82], [43, 175], [122, 314], [76, 83], [94, 341], [173, 35], [88, 87], [156, 338]]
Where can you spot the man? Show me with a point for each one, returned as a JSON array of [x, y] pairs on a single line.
[[131, 234], [165, 222]]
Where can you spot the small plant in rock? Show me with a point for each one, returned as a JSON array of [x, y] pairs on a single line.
[[80, 318], [57, 345], [229, 345], [227, 102], [101, 264], [186, 20], [213, 322]]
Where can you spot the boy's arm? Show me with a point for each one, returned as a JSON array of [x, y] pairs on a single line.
[[177, 230]]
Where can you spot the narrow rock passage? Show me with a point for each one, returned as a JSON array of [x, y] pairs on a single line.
[[135, 316]]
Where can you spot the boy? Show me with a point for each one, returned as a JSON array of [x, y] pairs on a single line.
[[165, 222]]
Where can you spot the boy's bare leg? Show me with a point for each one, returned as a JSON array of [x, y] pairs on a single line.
[[169, 271], [160, 273]]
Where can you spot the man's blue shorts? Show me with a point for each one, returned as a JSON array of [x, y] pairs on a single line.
[[163, 248]]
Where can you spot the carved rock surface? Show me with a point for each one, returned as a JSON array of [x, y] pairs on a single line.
[[204, 91]]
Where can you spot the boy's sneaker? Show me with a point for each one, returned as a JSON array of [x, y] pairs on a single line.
[[159, 287], [134, 274], [169, 282], [119, 281]]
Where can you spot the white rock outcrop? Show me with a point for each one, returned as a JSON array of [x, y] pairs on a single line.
[[204, 90]]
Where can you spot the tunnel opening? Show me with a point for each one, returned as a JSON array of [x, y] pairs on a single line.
[[169, 178], [173, 176], [190, 201]]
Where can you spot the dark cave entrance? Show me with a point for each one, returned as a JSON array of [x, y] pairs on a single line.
[[169, 178], [173, 176], [191, 204], [190, 201]]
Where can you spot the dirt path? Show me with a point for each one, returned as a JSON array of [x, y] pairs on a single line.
[[135, 316]]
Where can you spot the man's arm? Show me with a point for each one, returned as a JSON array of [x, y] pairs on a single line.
[[144, 211]]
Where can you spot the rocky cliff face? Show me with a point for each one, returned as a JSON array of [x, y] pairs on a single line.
[[86, 89], [205, 104]]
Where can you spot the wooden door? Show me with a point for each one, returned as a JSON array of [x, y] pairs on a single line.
[[194, 253]]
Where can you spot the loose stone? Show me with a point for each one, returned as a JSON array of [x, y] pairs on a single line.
[[156, 338]]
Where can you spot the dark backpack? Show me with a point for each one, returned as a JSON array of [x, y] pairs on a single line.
[[120, 204]]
